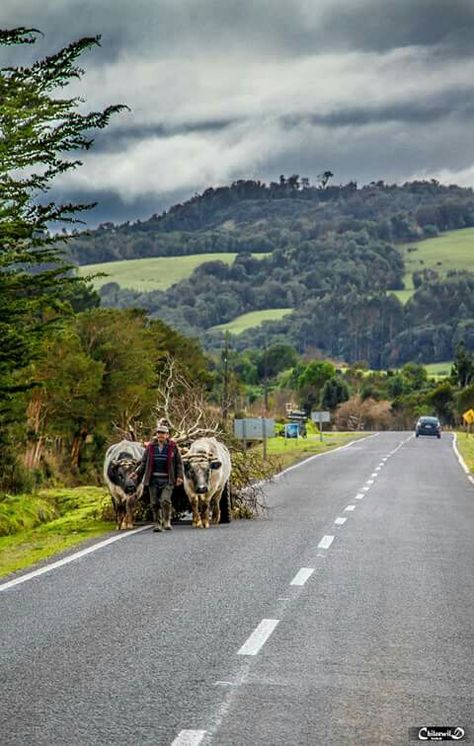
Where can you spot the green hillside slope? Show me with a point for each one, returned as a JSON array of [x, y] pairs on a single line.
[[252, 216], [331, 254], [453, 250], [155, 273], [251, 320]]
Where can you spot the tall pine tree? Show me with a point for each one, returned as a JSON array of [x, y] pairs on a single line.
[[41, 133]]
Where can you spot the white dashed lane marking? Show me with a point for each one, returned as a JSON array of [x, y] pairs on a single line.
[[302, 576], [360, 496], [350, 507], [189, 738], [258, 637], [340, 521], [326, 542]]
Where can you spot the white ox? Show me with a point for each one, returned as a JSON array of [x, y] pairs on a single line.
[[121, 461], [207, 468]]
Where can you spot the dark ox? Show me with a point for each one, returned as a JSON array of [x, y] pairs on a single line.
[[207, 468], [121, 460]]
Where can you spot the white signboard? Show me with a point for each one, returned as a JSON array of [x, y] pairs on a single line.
[[320, 417], [254, 428]]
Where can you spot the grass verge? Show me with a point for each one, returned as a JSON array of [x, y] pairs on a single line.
[[292, 450], [81, 513], [465, 445]]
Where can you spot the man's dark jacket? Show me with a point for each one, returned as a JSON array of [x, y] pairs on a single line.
[[175, 463]]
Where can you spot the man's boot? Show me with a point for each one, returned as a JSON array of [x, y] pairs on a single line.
[[158, 519], [167, 515]]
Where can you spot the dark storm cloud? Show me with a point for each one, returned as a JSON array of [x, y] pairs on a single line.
[[224, 89], [450, 103], [121, 136], [378, 26], [285, 26]]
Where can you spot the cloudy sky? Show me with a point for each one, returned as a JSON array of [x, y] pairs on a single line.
[[227, 89]]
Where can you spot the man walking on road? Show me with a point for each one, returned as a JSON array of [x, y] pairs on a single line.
[[162, 468]]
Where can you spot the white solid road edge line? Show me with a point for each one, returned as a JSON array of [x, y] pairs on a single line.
[[189, 738], [258, 637], [459, 457], [302, 576], [326, 542], [70, 558]]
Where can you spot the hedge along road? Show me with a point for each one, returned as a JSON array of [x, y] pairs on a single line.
[[344, 617]]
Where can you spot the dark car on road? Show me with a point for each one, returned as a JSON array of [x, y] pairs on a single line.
[[428, 426]]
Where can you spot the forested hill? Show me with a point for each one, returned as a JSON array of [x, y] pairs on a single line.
[[250, 216], [330, 256]]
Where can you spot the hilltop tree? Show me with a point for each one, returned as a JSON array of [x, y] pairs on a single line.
[[39, 132]]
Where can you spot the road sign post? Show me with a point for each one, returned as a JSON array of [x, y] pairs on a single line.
[[319, 418], [254, 428]]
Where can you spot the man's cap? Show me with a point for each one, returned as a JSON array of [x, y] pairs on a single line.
[[162, 429]]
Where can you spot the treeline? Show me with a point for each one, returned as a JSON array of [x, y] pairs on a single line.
[[216, 292], [339, 290], [94, 379], [377, 327], [357, 398], [250, 216]]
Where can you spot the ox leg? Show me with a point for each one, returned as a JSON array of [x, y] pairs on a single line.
[[196, 512], [129, 513], [216, 511], [205, 513], [119, 516]]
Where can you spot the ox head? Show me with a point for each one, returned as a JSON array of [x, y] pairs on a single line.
[[197, 469], [120, 473]]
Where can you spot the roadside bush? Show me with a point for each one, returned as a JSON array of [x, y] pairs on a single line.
[[368, 414]]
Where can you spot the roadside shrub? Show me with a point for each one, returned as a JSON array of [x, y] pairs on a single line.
[[368, 414]]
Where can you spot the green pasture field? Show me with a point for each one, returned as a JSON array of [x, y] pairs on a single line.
[[439, 370], [450, 250], [403, 295], [153, 273], [254, 318]]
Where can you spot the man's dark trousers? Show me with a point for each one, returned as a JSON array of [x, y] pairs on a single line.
[[160, 502]]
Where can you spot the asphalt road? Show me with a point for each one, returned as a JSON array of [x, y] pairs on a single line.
[[297, 629]]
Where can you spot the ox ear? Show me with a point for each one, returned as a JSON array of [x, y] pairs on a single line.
[[215, 464], [186, 466]]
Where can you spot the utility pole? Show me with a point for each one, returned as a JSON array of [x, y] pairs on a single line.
[[265, 401], [225, 392]]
